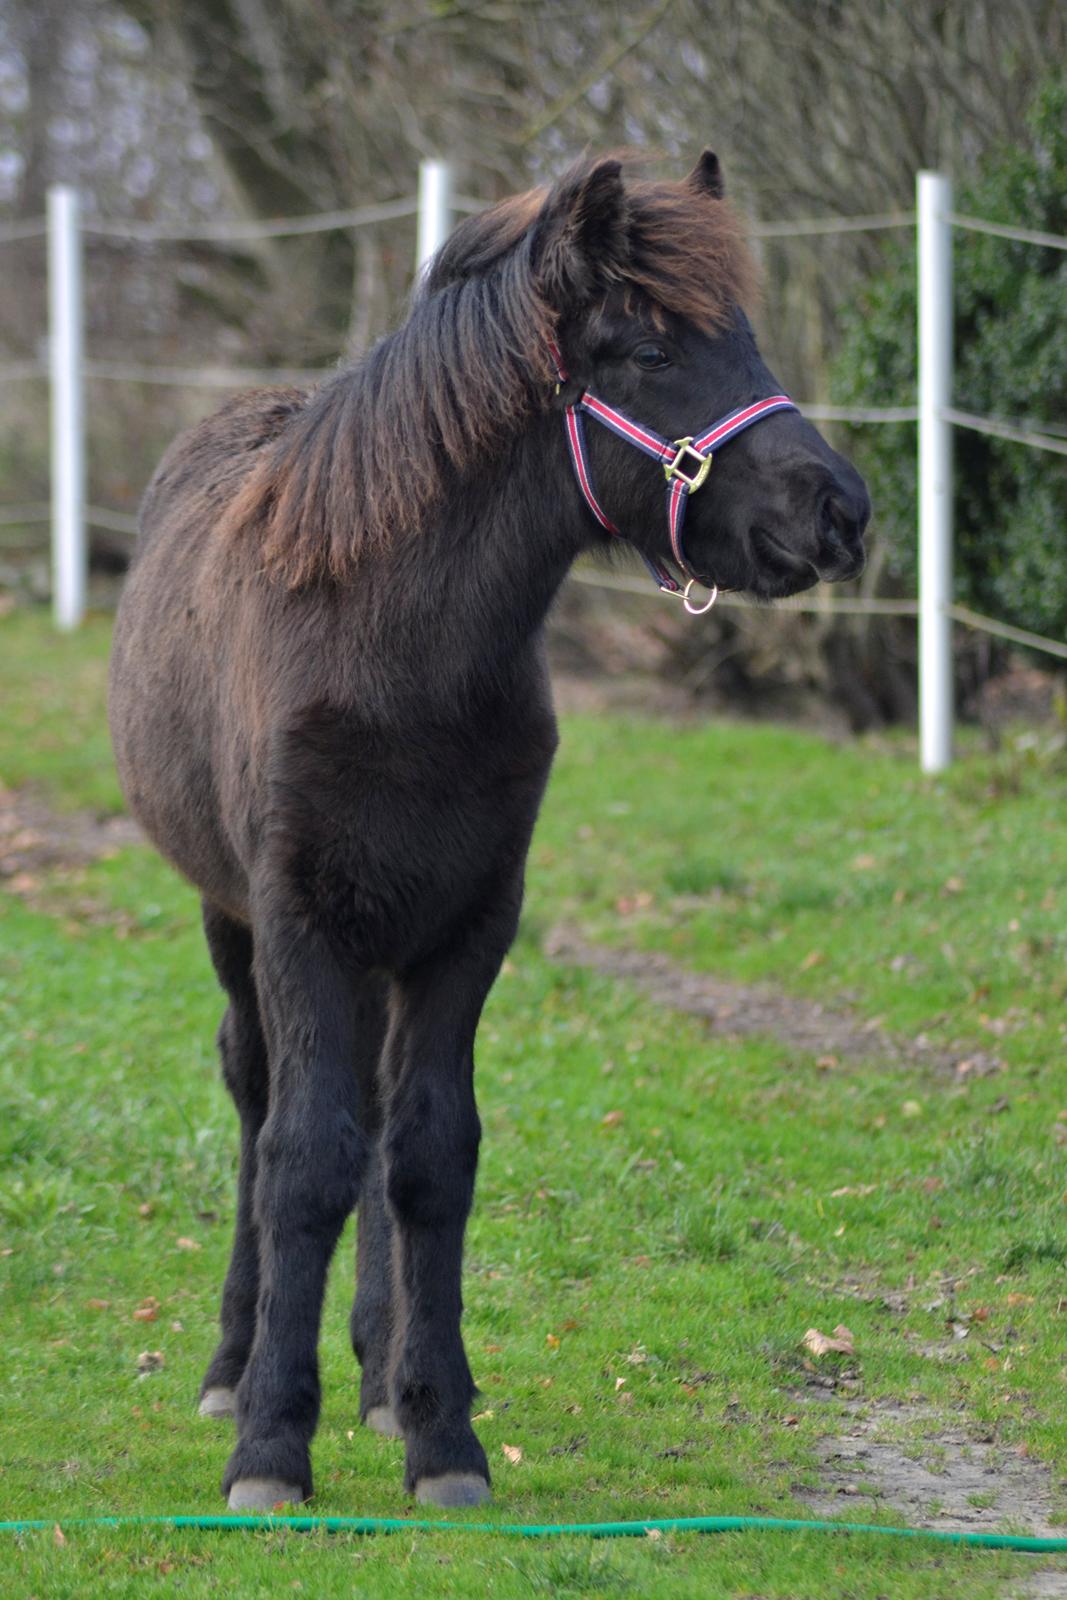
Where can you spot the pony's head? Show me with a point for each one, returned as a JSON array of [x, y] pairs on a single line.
[[643, 287]]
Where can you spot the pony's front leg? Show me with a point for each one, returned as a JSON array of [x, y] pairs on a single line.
[[308, 1163], [430, 1150]]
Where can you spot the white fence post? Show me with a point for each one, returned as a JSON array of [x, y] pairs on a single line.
[[435, 209], [934, 243], [69, 549]]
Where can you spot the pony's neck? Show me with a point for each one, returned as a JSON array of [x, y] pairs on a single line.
[[476, 583]]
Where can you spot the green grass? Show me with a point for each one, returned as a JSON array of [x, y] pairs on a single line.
[[637, 1285]]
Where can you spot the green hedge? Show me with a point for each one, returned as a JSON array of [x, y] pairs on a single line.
[[1011, 362]]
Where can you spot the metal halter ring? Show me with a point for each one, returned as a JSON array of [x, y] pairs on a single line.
[[698, 611]]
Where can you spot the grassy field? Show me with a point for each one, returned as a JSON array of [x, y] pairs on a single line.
[[661, 1215]]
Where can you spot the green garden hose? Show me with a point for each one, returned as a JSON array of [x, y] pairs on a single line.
[[554, 1530]]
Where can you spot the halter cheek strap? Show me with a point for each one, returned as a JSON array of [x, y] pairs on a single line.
[[686, 463]]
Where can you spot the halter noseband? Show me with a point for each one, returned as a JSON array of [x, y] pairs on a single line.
[[686, 463]]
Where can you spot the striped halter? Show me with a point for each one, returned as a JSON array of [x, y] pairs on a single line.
[[685, 462]]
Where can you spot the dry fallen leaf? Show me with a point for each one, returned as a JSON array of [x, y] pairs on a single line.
[[187, 1244], [149, 1361], [148, 1310], [820, 1344], [552, 1340], [611, 1119], [98, 1305], [513, 1453], [58, 1536], [812, 959]]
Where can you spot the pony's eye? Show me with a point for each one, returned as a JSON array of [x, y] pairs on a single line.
[[651, 356]]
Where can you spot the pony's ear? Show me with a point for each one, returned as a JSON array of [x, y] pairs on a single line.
[[706, 176], [581, 236]]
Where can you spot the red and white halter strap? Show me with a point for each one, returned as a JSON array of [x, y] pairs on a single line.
[[686, 463]]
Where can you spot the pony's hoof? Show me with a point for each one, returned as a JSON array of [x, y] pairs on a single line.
[[264, 1494], [452, 1489], [218, 1403], [382, 1419]]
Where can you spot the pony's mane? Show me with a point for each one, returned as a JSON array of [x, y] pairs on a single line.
[[368, 453]]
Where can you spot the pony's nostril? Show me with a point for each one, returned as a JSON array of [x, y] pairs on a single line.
[[844, 516]]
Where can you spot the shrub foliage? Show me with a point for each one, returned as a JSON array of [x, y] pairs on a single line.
[[1011, 363]]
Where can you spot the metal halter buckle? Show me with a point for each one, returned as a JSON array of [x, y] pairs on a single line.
[[674, 469]]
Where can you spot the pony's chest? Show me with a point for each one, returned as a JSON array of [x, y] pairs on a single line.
[[391, 852]]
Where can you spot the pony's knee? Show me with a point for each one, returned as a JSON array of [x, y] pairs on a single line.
[[429, 1181], [308, 1179]]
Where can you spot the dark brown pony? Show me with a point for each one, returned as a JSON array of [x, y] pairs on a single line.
[[331, 712]]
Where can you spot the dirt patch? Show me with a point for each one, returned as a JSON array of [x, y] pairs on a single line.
[[35, 839], [905, 1458], [1045, 1584], [738, 1010]]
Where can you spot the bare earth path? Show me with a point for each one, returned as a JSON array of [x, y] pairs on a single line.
[[737, 1010], [34, 838]]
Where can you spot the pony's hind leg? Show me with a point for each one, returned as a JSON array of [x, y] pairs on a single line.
[[371, 1323], [244, 1068], [373, 1312]]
